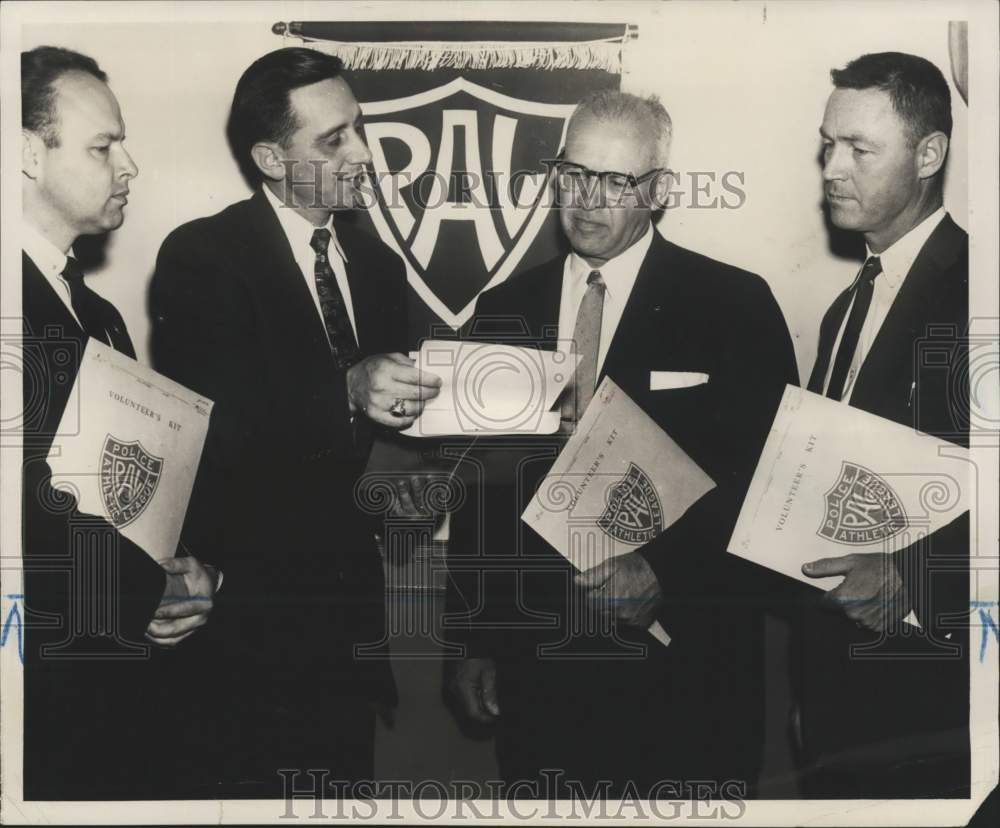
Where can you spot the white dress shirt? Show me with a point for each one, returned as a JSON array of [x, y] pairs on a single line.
[[619, 276], [896, 260], [50, 260], [299, 232]]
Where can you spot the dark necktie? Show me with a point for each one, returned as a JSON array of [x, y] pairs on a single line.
[[861, 291], [343, 345], [92, 312], [587, 339]]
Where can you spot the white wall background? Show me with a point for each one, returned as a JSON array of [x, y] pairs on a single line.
[[745, 84]]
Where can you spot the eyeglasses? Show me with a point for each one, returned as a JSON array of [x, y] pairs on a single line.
[[577, 179]]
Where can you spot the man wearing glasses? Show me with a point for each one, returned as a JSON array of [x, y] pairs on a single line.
[[583, 698]]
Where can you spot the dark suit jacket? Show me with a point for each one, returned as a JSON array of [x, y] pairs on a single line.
[[906, 704], [701, 709], [274, 498], [84, 733]]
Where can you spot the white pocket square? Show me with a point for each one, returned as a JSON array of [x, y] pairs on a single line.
[[665, 380]]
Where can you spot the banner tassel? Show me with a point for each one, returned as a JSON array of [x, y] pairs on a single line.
[[599, 54]]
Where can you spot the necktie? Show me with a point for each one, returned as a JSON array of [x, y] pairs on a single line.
[[587, 338], [92, 312], [343, 345], [862, 289]]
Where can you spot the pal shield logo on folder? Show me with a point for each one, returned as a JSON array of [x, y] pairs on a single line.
[[129, 475], [861, 508], [633, 514]]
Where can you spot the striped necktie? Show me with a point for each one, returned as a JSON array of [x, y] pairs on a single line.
[[587, 340], [343, 344]]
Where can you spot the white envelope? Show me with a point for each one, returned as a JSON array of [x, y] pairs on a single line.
[[667, 380], [491, 389]]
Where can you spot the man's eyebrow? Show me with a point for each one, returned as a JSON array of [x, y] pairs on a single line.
[[109, 136], [854, 138]]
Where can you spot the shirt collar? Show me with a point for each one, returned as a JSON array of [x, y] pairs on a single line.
[[47, 257], [898, 258], [619, 273], [292, 223]]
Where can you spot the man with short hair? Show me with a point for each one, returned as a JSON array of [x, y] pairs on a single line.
[[883, 708], [91, 716], [295, 325], [561, 662]]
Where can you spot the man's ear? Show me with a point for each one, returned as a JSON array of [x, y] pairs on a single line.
[[266, 156], [32, 152], [931, 154]]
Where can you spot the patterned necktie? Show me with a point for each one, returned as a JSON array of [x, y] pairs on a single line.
[[587, 338], [90, 311], [862, 291], [343, 345]]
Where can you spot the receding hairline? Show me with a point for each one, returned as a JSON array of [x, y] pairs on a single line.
[[118, 133], [333, 127], [80, 77], [646, 116], [584, 119]]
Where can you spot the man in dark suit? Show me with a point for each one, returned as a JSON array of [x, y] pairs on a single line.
[[294, 325], [883, 709], [93, 727], [562, 663]]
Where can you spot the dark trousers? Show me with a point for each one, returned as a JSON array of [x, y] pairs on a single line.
[[614, 727], [269, 750]]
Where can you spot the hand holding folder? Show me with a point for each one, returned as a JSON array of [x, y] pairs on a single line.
[[833, 481], [618, 483]]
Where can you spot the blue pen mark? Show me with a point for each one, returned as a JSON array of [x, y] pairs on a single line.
[[13, 619], [987, 623]]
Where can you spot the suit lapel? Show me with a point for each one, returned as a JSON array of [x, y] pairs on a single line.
[[282, 293], [828, 329], [914, 306], [367, 320], [542, 315], [42, 306], [525, 308], [644, 308], [41, 302], [541, 310], [47, 322]]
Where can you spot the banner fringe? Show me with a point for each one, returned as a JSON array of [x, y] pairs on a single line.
[[598, 54]]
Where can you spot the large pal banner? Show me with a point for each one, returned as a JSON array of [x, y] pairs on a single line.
[[461, 118]]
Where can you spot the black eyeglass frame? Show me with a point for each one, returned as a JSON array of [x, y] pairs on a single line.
[[604, 177]]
